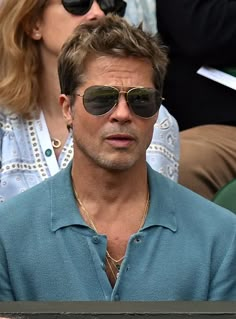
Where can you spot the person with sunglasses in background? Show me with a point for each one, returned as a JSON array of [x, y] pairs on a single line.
[[108, 226], [34, 140]]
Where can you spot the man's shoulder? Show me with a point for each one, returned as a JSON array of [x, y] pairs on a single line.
[[191, 207]]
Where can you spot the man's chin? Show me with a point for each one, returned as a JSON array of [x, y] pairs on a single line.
[[117, 165]]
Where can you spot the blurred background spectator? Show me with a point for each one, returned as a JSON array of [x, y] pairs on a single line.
[[34, 140], [201, 33]]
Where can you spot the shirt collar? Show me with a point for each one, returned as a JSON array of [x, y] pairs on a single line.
[[161, 208], [64, 209], [65, 212]]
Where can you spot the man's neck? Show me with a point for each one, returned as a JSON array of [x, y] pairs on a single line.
[[99, 188]]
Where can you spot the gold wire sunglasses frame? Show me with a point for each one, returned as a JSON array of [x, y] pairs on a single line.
[[98, 100]]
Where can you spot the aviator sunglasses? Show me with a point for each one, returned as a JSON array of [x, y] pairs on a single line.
[[99, 100], [81, 7]]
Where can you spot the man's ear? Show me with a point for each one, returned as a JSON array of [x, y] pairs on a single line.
[[64, 101]]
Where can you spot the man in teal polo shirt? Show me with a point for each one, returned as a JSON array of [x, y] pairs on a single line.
[[108, 227]]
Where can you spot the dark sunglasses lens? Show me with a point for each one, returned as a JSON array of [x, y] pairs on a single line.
[[99, 100], [77, 7], [145, 102], [114, 6]]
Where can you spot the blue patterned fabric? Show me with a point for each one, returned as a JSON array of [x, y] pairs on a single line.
[[142, 11], [163, 152]]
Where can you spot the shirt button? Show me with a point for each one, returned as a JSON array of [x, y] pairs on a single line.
[[116, 297], [95, 240], [48, 152], [127, 268], [137, 240]]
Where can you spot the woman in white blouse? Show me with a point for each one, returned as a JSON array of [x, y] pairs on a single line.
[[34, 140]]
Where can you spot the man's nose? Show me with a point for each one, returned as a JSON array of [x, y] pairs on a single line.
[[121, 111]]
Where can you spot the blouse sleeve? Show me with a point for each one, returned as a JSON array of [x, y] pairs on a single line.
[[163, 152]]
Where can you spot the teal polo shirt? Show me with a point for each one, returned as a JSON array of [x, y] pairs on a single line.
[[186, 249]]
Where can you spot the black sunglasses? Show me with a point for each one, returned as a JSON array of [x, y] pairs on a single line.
[[99, 100], [81, 7]]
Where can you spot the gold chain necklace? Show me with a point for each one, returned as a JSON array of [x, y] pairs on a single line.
[[111, 270], [115, 262]]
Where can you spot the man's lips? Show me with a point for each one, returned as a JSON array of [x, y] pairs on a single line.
[[120, 140]]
